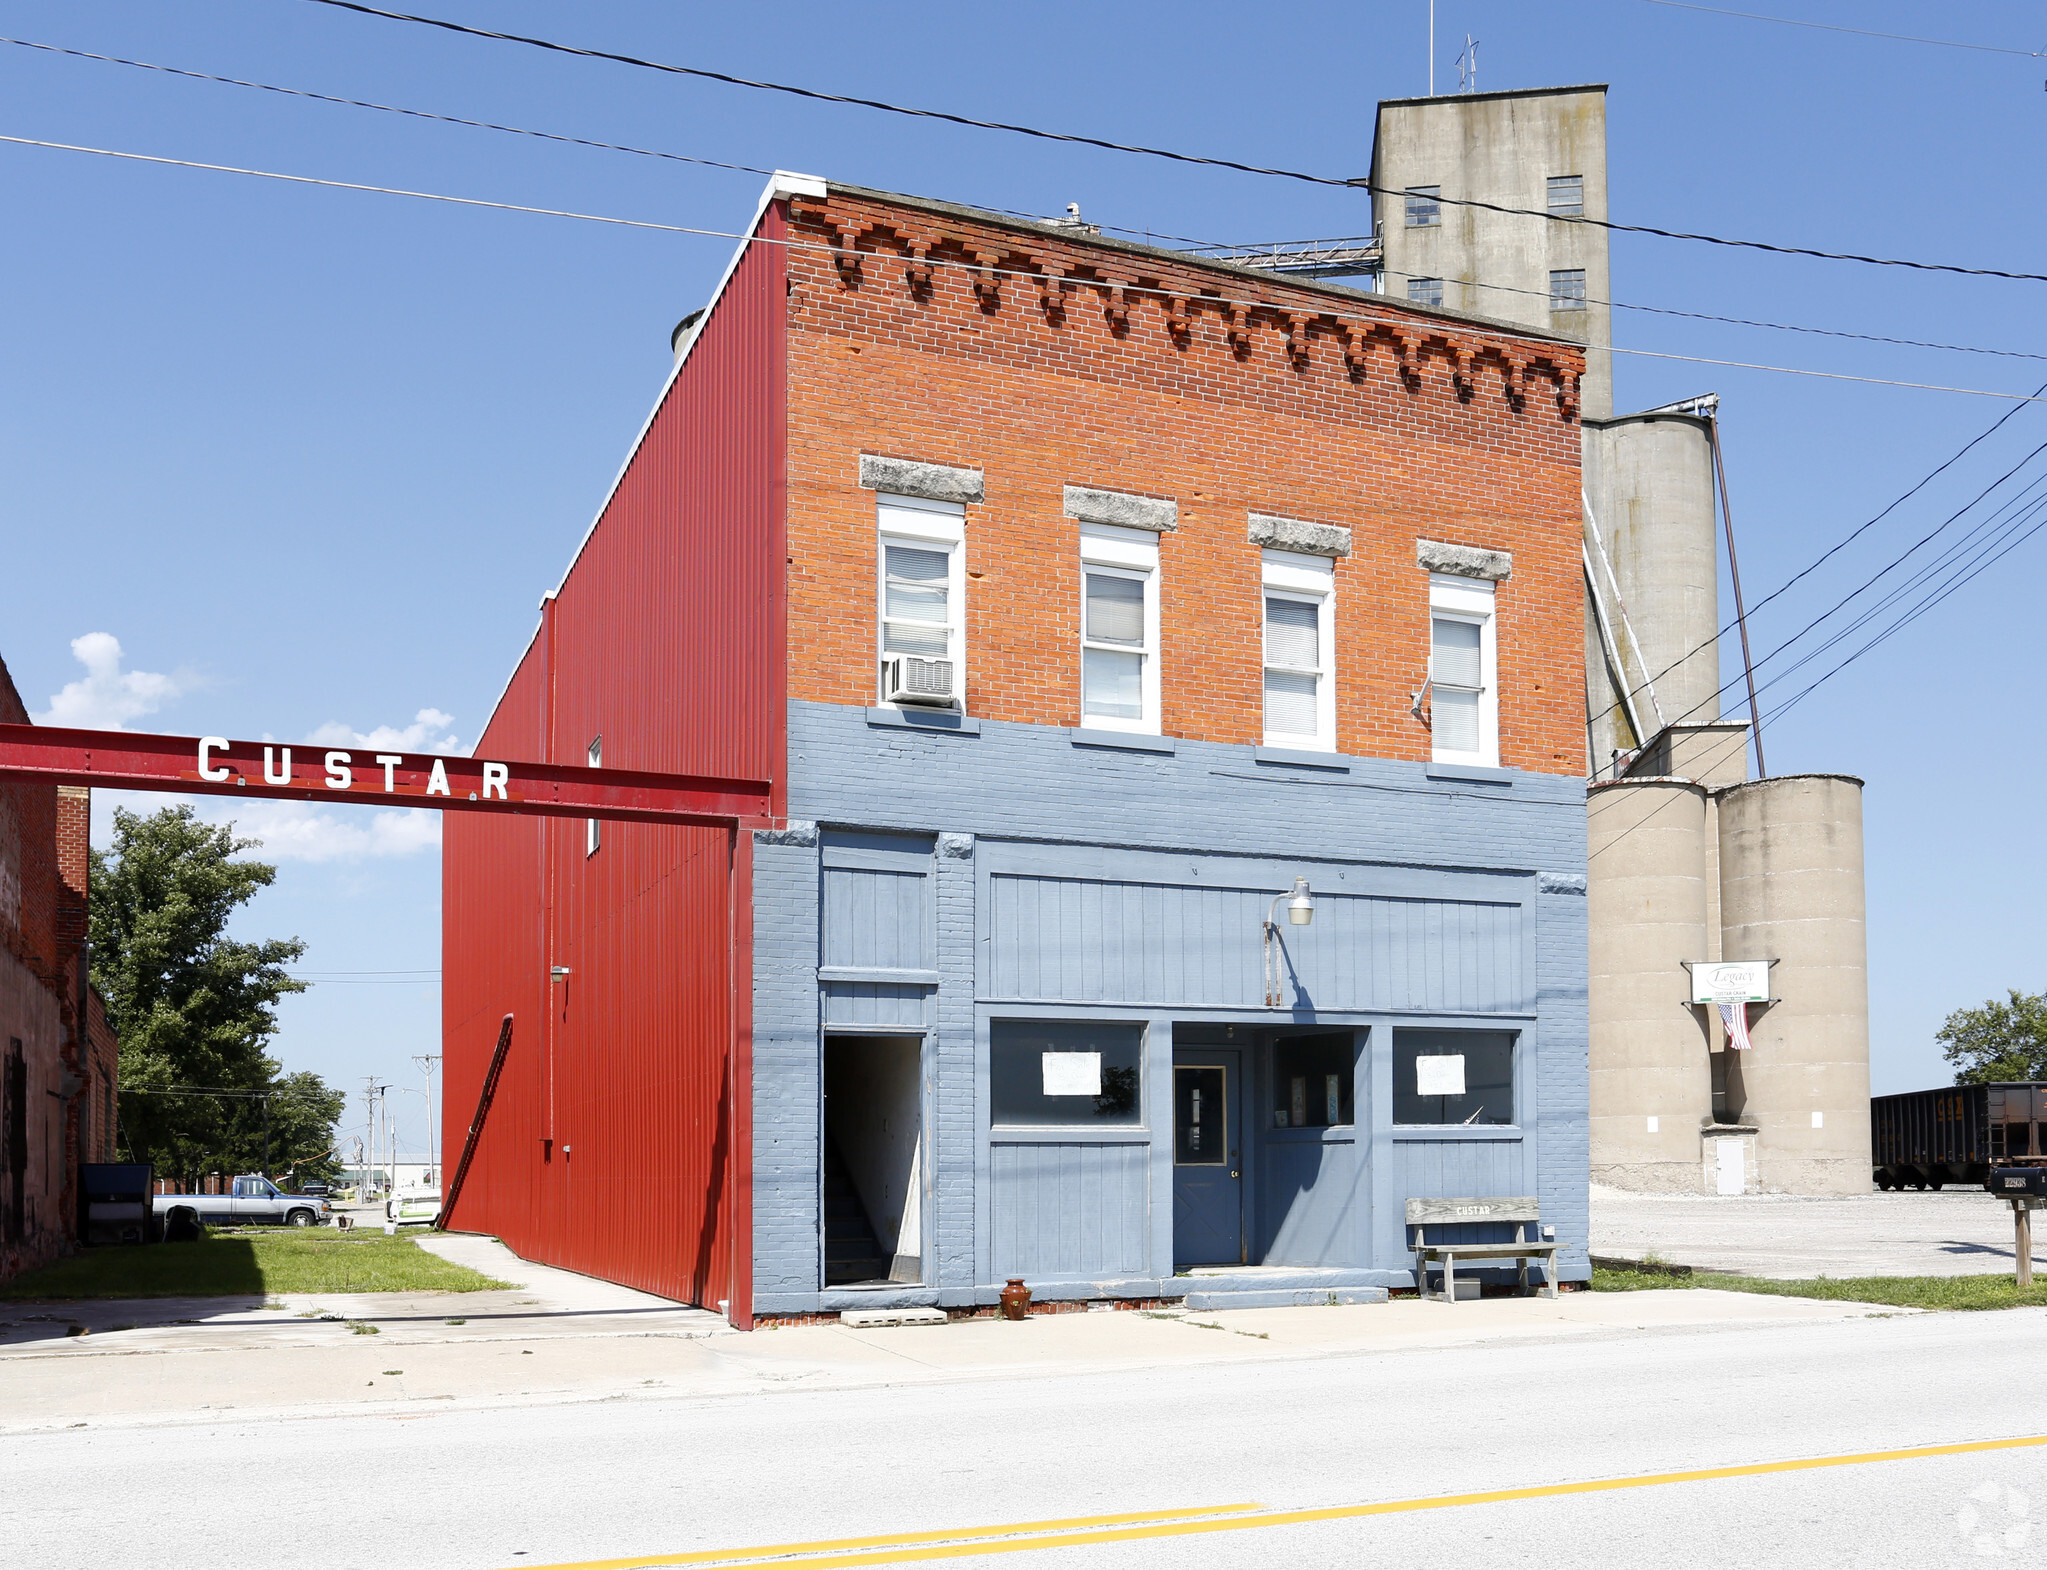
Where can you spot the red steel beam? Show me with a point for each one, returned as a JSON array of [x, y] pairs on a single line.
[[369, 776]]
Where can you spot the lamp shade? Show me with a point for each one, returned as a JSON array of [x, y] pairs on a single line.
[[1300, 908]]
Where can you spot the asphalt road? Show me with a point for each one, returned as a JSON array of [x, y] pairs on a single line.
[[636, 1481]]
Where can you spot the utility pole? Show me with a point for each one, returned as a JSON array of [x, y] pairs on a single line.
[[369, 1129], [426, 1069]]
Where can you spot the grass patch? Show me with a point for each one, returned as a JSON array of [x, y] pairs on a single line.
[[1933, 1292], [251, 1265]]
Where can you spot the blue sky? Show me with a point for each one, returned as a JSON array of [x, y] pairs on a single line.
[[310, 457]]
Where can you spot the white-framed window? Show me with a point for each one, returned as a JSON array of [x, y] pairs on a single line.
[[1119, 629], [593, 828], [1300, 686], [1567, 195], [1424, 206], [920, 595], [1464, 697]]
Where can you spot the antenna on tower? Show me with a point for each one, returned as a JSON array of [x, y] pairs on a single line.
[[1467, 65], [1432, 48]]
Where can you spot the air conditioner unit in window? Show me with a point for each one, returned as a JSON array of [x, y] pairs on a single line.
[[907, 679]]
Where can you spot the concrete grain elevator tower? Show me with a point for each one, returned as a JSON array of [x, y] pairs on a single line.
[[1693, 865]]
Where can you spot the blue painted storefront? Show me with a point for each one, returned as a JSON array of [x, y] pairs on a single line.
[[940, 879]]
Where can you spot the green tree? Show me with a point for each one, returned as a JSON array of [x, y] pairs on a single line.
[[1998, 1041], [194, 1008]]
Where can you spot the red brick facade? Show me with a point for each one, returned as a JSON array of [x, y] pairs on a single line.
[[1227, 392], [57, 1109]]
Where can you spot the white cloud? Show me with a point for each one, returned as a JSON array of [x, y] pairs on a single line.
[[302, 831], [428, 732], [107, 696]]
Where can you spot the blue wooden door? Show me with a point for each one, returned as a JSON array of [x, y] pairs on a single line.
[[1208, 1183]]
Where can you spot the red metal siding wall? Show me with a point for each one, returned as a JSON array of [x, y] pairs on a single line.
[[666, 640]]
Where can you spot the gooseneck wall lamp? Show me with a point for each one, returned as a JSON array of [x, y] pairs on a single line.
[[1300, 910]]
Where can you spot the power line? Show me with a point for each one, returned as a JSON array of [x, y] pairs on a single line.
[[1860, 32], [359, 103], [1159, 152], [712, 163], [381, 190], [1889, 567], [1845, 541], [2036, 514], [1743, 321], [998, 272]]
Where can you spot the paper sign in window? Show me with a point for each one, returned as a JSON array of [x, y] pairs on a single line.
[[1439, 1076], [1074, 1073]]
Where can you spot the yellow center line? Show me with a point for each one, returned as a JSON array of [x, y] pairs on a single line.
[[967, 1543], [961, 1534]]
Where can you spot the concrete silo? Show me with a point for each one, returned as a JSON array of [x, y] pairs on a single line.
[[1791, 891], [1649, 893], [1654, 556]]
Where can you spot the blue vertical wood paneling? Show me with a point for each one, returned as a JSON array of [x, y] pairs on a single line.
[[1068, 1210], [1105, 941], [878, 1004], [877, 919]]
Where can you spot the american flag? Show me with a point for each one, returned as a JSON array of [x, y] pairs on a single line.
[[1735, 1017]]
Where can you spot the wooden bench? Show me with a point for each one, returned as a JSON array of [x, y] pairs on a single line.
[[1522, 1210]]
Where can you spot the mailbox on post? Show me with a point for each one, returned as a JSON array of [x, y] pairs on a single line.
[[2018, 1182], [2026, 1189]]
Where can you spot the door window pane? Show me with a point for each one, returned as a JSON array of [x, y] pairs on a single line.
[[1311, 1080], [1201, 1129], [1112, 684], [1019, 1073], [1453, 1076]]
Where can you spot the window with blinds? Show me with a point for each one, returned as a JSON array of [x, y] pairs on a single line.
[[1293, 671], [1113, 646], [920, 594], [916, 604], [1463, 701]]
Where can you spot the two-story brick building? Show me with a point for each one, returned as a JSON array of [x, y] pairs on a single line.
[[1079, 600], [58, 1056]]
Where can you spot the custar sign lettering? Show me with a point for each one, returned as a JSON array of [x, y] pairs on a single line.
[[217, 766]]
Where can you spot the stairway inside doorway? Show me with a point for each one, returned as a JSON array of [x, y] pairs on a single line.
[[852, 1253]]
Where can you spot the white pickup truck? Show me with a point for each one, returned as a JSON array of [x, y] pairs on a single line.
[[253, 1201]]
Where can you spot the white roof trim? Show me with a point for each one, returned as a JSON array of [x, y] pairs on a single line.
[[781, 185]]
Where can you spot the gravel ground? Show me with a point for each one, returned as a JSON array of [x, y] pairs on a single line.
[[1957, 1232]]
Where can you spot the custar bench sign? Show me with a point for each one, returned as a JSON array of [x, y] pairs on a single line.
[[217, 766]]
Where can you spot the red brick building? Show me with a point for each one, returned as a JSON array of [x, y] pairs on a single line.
[[1076, 598], [57, 1084]]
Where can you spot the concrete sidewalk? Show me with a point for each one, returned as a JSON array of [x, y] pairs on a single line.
[[540, 1350], [544, 1304], [1957, 1232]]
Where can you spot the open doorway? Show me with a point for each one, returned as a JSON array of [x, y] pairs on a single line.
[[873, 1159]]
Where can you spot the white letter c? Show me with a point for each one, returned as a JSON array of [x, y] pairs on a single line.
[[206, 769]]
